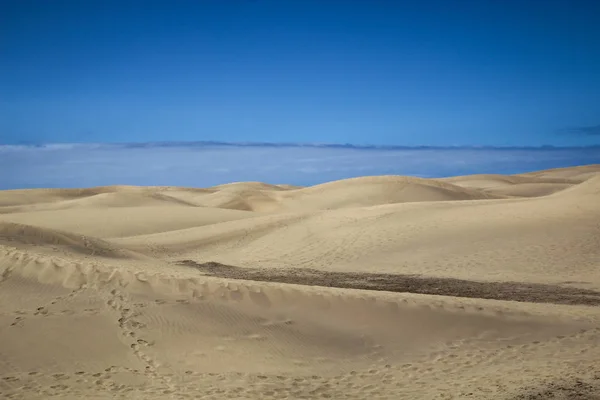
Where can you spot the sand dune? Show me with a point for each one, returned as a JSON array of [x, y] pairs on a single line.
[[579, 173], [356, 192], [515, 185], [529, 189], [60, 199], [491, 180], [125, 221], [373, 191], [590, 187], [483, 287], [20, 235]]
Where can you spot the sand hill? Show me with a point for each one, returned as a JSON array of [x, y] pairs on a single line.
[[390, 287]]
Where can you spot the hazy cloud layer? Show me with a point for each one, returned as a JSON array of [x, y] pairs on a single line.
[[206, 165]]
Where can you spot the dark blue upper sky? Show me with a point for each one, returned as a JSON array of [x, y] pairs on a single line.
[[431, 72]]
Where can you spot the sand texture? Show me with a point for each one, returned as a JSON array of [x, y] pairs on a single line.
[[388, 287]]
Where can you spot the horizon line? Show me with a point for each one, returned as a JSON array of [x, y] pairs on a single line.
[[166, 144]]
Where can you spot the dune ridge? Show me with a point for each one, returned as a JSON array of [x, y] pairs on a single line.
[[389, 287], [29, 235]]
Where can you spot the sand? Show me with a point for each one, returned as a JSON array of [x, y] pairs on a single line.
[[390, 287]]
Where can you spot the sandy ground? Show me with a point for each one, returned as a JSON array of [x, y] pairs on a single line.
[[481, 287]]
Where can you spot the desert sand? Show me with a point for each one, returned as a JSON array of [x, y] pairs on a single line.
[[389, 287]]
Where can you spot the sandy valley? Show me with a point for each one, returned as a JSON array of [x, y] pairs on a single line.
[[387, 287]]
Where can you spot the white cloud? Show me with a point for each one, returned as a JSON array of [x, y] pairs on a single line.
[[201, 165]]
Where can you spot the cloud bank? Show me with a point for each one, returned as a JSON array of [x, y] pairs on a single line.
[[208, 163]]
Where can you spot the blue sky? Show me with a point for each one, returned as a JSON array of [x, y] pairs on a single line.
[[432, 72]]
